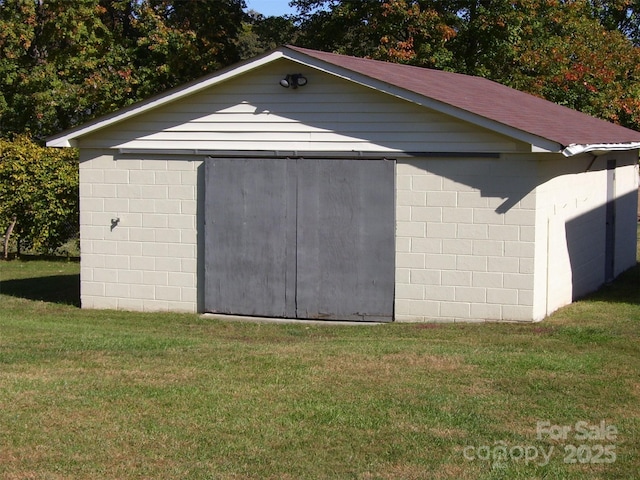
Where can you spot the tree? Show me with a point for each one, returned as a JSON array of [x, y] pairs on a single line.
[[621, 15], [395, 30], [62, 63], [582, 65], [179, 41], [261, 34], [39, 187], [53, 60]]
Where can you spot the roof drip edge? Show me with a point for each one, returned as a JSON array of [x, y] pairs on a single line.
[[598, 148]]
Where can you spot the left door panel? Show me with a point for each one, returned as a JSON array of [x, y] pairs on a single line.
[[250, 219]]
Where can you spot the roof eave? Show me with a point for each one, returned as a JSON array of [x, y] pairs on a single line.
[[598, 148]]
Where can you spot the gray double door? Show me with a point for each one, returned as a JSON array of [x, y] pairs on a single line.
[[300, 238]]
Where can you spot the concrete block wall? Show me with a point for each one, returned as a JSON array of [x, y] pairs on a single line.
[[571, 225], [148, 260], [465, 240], [569, 198]]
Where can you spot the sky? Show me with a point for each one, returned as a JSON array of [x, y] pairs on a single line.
[[270, 7]]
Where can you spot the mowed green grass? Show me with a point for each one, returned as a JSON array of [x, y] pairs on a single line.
[[105, 394]]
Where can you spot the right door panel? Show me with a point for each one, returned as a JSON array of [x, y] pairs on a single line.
[[346, 239]]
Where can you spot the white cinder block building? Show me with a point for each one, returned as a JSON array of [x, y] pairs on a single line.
[[364, 190]]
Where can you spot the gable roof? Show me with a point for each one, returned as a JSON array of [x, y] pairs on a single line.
[[491, 101], [545, 125]]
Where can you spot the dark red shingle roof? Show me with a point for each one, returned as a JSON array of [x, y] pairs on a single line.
[[487, 99]]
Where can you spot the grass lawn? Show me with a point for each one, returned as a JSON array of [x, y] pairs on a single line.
[[105, 394]]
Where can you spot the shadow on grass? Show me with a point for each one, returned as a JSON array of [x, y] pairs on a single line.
[[65, 289], [624, 289], [62, 289]]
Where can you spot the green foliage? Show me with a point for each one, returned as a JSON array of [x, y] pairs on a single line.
[[178, 41], [621, 15], [63, 63], [40, 187], [54, 57], [260, 34], [582, 65]]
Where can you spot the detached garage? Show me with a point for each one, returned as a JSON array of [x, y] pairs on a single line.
[[305, 184]]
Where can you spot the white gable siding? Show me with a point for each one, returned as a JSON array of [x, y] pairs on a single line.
[[328, 114], [464, 241]]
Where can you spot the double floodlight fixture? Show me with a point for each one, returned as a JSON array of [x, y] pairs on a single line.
[[294, 80]]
